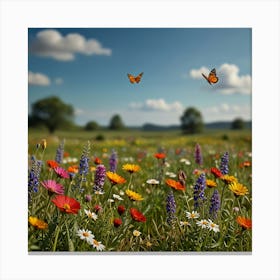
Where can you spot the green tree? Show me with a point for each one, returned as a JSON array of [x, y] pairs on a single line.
[[237, 123], [116, 123], [192, 121], [52, 113], [91, 125]]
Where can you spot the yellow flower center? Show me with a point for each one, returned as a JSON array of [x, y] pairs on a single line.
[[85, 234], [66, 206], [95, 242]]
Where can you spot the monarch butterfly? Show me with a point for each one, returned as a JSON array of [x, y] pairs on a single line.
[[212, 78], [182, 177], [133, 79]]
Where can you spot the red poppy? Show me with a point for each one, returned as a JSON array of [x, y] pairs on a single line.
[[97, 208], [136, 215], [159, 155], [97, 161], [216, 172], [117, 222], [52, 163], [67, 204], [121, 209]]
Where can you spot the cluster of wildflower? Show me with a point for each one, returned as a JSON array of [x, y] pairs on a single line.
[[99, 178], [198, 190], [89, 238], [59, 153], [198, 154], [113, 161], [170, 208], [224, 163], [33, 177]]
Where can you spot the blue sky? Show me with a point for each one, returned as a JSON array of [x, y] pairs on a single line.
[[88, 68]]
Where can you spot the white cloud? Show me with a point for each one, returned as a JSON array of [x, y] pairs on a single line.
[[229, 79], [157, 105], [38, 79], [226, 112], [50, 43]]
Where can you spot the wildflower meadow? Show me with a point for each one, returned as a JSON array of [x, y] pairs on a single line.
[[148, 192]]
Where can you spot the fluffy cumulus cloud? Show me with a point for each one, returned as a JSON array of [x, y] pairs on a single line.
[[230, 81], [50, 43], [38, 79], [227, 112], [157, 105]]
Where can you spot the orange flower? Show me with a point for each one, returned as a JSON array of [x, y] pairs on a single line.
[[73, 169], [244, 222], [97, 161], [211, 183], [159, 155], [245, 164], [67, 204], [136, 215], [115, 178], [37, 223], [52, 163], [174, 184]]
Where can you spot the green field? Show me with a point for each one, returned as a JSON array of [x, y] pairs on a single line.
[[156, 234]]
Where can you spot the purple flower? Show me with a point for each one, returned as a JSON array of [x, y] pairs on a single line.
[[99, 178], [59, 153], [215, 204], [198, 191], [198, 154], [170, 208], [224, 163], [34, 176], [113, 161]]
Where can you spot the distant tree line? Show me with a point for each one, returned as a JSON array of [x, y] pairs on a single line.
[[54, 114]]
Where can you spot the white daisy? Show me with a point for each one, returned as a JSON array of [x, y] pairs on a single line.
[[202, 223], [213, 226], [184, 223], [97, 245], [136, 232], [85, 235], [170, 174], [152, 182], [91, 215], [192, 215], [185, 161], [110, 200], [116, 196], [121, 192]]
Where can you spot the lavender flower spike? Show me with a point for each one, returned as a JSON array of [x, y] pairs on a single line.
[[215, 204], [198, 191], [198, 155], [170, 208], [113, 161], [224, 163], [99, 179]]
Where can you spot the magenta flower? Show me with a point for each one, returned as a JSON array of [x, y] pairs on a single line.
[[53, 187], [61, 172]]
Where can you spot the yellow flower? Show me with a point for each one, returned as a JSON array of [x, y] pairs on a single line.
[[115, 178], [133, 195], [131, 168], [211, 183], [44, 144], [229, 179], [238, 189], [37, 223]]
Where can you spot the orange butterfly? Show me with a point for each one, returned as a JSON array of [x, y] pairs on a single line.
[[133, 79], [212, 78]]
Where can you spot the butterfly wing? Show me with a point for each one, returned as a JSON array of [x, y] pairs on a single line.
[[138, 78], [206, 78], [212, 78], [131, 78]]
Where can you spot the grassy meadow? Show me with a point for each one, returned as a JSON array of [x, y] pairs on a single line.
[[137, 191]]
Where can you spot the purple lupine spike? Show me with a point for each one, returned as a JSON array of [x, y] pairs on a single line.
[[198, 191], [224, 163], [170, 208], [113, 161], [198, 154], [34, 176], [59, 153], [99, 179], [215, 204]]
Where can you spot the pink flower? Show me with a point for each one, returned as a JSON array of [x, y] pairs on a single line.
[[53, 187], [61, 172]]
